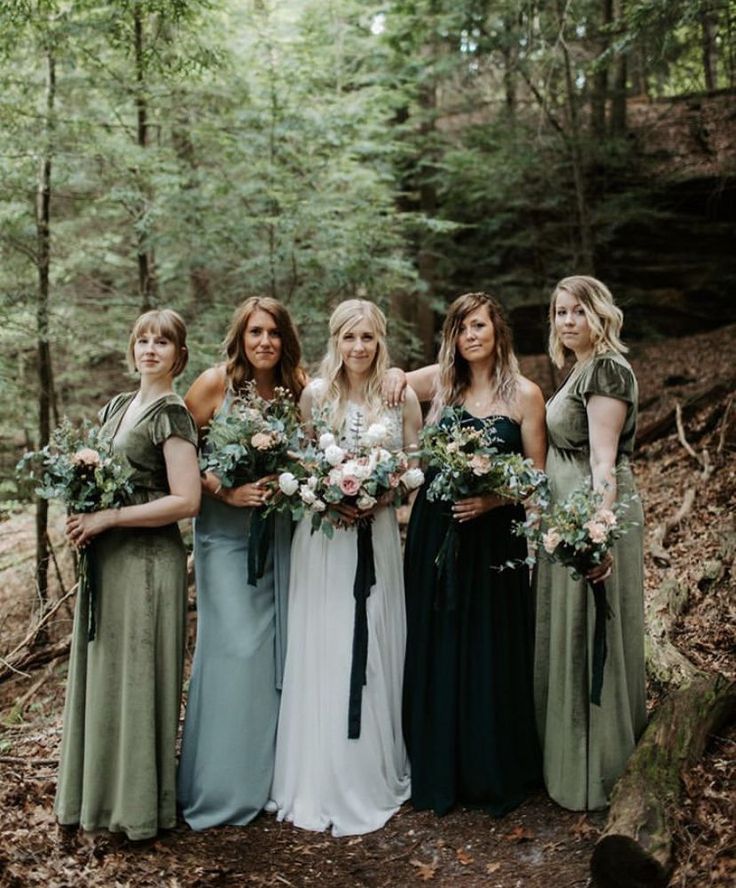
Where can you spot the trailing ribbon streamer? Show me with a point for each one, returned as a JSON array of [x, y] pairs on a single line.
[[446, 562], [259, 539], [365, 578], [600, 648], [87, 589]]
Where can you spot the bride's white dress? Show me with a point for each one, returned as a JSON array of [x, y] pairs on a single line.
[[321, 778]]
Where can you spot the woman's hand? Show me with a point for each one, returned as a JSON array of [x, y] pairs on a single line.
[[474, 506], [81, 528], [601, 571], [393, 387], [348, 514], [252, 495]]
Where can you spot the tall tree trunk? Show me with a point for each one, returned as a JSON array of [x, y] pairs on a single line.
[[620, 77], [43, 241], [708, 43], [599, 94], [584, 261], [146, 259]]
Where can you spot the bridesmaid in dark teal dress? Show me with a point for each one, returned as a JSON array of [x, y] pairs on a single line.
[[468, 704]]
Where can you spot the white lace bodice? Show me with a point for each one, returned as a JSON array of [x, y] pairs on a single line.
[[356, 423]]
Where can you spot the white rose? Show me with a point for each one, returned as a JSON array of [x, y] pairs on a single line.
[[319, 505], [312, 482], [288, 483], [334, 454], [307, 494], [412, 478], [363, 471], [327, 439], [366, 501], [375, 434]]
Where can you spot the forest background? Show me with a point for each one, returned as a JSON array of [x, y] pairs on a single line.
[[192, 153]]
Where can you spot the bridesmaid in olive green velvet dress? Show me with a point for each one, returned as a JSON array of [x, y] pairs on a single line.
[[118, 768], [591, 422]]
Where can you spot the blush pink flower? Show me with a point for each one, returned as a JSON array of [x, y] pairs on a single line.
[[606, 516], [349, 485], [86, 457], [551, 540], [597, 531], [480, 464], [262, 440]]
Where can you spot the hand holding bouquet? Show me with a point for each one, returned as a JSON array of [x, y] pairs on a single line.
[[253, 439], [329, 478], [579, 533], [79, 467]]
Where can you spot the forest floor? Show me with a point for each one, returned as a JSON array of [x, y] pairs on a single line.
[[540, 844]]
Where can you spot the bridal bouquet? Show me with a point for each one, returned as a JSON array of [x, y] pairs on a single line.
[[79, 467], [469, 463], [577, 533], [253, 439], [329, 474]]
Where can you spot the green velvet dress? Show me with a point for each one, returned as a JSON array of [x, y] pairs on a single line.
[[117, 769], [585, 746], [468, 694]]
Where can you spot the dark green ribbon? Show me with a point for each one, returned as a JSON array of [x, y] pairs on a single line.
[[446, 560], [259, 540], [600, 648], [87, 589], [365, 579]]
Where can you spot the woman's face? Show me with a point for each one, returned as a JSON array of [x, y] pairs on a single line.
[[262, 341], [358, 346], [476, 338], [571, 323], [154, 354]]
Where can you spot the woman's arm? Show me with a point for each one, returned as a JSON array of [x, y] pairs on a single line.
[[411, 421], [533, 424], [423, 381], [182, 501], [206, 394], [606, 417]]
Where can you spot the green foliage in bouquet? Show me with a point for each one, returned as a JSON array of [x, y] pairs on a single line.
[[253, 439], [78, 467]]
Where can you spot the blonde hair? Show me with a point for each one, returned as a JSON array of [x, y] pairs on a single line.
[[454, 370], [162, 322], [289, 371], [334, 392], [604, 317]]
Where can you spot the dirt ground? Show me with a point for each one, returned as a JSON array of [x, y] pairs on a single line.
[[538, 845]]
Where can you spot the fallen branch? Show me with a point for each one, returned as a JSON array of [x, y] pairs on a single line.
[[667, 423], [660, 533], [16, 661], [20, 760]]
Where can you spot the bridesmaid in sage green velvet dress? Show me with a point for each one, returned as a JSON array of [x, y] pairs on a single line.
[[591, 423], [118, 752], [234, 695]]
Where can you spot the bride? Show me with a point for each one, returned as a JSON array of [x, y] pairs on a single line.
[[323, 778]]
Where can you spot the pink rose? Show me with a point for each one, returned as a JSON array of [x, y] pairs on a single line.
[[607, 517], [597, 531], [480, 464], [349, 485], [86, 457], [262, 440]]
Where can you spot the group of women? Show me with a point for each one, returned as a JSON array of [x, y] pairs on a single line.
[[474, 687]]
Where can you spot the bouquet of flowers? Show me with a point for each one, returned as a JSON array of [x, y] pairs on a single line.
[[469, 463], [328, 474], [253, 439], [79, 467], [577, 533]]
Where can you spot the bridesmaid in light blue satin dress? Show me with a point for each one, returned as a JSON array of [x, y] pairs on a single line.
[[229, 739]]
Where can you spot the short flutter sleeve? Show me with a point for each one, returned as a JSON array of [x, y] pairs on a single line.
[[173, 421], [607, 376]]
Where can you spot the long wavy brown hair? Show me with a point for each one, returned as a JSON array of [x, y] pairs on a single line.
[[454, 371], [289, 371]]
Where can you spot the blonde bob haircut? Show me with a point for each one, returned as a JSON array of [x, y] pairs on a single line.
[[604, 317], [163, 322], [334, 394], [454, 371], [289, 371]]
